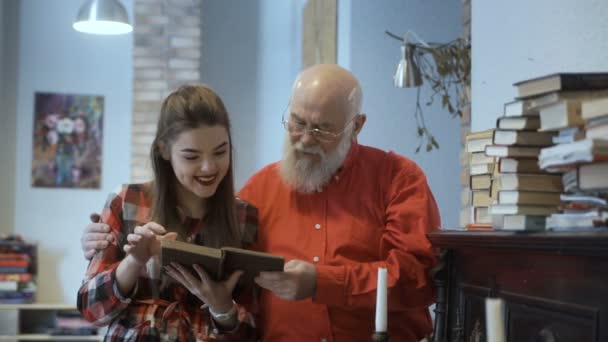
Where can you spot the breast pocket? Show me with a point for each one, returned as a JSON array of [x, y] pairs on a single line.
[[361, 241]]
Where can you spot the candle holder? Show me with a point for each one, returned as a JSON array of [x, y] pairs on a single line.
[[380, 336]]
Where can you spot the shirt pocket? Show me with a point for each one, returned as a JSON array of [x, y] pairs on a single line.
[[364, 238]]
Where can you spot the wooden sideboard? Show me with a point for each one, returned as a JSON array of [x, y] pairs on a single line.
[[555, 285]]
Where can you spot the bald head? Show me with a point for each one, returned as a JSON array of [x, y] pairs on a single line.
[[328, 88], [323, 121]]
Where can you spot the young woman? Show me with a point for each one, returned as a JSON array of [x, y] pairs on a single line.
[[191, 198]]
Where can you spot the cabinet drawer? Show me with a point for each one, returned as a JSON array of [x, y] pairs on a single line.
[[539, 322]]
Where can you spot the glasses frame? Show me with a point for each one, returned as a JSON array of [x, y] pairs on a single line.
[[315, 132]]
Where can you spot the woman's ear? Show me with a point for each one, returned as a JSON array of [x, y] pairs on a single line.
[[164, 151]]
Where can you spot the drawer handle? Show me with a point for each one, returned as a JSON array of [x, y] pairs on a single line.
[[546, 335]]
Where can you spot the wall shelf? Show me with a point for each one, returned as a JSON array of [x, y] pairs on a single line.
[[27, 322]]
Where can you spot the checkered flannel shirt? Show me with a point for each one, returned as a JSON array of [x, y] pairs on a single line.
[[157, 309]]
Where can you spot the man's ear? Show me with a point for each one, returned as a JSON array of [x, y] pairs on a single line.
[[164, 151], [359, 123]]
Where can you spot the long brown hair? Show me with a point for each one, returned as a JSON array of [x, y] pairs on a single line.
[[185, 109]]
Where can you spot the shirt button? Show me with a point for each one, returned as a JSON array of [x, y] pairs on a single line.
[[315, 259], [317, 226]]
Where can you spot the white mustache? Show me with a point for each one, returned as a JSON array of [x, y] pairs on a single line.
[[308, 149]]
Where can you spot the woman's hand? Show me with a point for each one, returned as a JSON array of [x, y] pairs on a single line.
[[144, 243], [217, 295]]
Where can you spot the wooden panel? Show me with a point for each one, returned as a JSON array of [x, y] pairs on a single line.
[[319, 30], [553, 284], [527, 321]]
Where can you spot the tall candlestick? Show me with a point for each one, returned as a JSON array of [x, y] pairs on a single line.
[[381, 301], [495, 320]]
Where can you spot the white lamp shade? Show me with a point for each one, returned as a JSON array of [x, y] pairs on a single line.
[[102, 17], [407, 74]]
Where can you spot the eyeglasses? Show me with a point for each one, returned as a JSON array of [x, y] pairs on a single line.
[[299, 128]]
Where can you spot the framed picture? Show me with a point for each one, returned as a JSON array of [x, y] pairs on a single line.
[[67, 140]]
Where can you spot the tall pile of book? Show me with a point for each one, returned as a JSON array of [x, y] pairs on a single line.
[[477, 196], [17, 271], [524, 194], [580, 153], [543, 134]]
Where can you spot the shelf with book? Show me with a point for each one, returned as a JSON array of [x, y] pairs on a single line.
[[44, 337], [44, 322]]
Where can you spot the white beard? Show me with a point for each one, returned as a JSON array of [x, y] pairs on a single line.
[[307, 175]]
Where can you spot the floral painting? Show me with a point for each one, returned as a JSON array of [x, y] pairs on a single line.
[[68, 135]]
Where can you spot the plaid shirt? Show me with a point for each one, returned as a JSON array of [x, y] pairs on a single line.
[[158, 308]]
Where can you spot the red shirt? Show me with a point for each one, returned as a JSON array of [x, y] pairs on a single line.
[[374, 213]]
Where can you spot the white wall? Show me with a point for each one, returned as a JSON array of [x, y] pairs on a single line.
[[373, 57], [519, 39], [55, 58], [251, 55], [235, 48], [8, 77]]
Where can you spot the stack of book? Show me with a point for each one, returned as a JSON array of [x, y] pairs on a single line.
[[583, 162], [477, 197], [17, 271], [523, 194], [69, 323]]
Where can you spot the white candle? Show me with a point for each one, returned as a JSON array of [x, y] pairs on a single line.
[[381, 301], [495, 320]]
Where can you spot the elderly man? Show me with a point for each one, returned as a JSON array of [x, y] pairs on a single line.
[[338, 211]]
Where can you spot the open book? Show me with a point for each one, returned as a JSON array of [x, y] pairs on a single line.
[[219, 263]]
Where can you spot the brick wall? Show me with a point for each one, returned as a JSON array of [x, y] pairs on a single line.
[[166, 54]]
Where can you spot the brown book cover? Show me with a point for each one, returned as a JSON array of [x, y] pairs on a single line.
[[529, 210], [512, 151], [518, 123], [529, 197], [512, 165], [562, 82], [481, 182], [219, 263], [481, 198], [522, 138], [523, 222], [529, 182]]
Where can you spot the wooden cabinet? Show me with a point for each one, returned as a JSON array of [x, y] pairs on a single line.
[[28, 322], [555, 285]]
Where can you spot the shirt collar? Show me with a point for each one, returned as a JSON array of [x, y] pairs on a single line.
[[349, 161]]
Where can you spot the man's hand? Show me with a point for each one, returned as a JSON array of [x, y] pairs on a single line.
[[297, 281], [96, 237]]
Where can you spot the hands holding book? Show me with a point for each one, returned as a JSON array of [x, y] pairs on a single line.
[[296, 282], [216, 295]]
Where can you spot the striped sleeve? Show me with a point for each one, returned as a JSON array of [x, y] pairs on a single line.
[[99, 300]]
